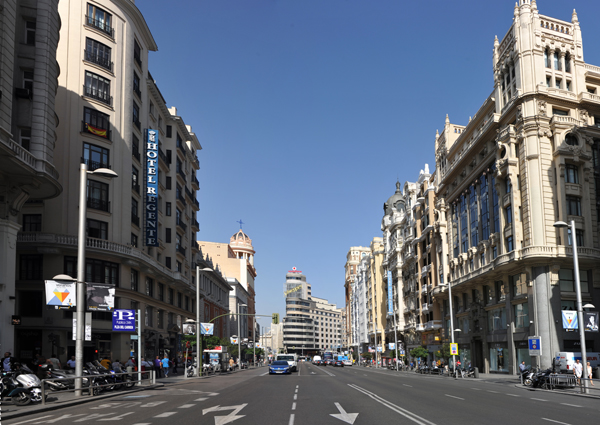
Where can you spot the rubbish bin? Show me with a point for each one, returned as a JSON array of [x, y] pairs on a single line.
[[476, 372]]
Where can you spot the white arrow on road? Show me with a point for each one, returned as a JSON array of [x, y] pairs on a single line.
[[222, 420], [346, 417]]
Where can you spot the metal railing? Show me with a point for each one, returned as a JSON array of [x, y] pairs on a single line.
[[92, 388], [102, 25], [98, 59]]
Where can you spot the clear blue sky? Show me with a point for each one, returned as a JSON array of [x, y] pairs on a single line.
[[308, 111]]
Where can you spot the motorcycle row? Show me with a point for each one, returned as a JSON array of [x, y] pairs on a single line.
[[546, 379], [435, 370], [22, 386]]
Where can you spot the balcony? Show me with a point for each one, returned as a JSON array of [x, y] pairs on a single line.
[[195, 182], [135, 219], [420, 328], [100, 25], [181, 174], [136, 90], [99, 95], [161, 155], [104, 62], [425, 308], [98, 204], [94, 165], [189, 193], [195, 225], [196, 204], [181, 198], [136, 153], [180, 250], [181, 224], [135, 186], [138, 59], [100, 132], [137, 123]]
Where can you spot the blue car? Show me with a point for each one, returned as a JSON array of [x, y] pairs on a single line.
[[280, 367]]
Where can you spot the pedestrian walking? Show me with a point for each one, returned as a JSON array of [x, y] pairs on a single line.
[[8, 362], [578, 371], [589, 373], [158, 367], [174, 362], [165, 366]]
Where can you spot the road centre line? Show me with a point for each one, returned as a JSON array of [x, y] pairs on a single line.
[[266, 373], [495, 392], [294, 406], [538, 399], [556, 422], [572, 405], [165, 414], [291, 422], [406, 413], [295, 396], [31, 420], [201, 399], [406, 385], [513, 395], [453, 396], [186, 406]]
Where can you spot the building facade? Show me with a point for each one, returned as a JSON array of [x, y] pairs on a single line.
[[298, 325], [353, 258], [140, 225]]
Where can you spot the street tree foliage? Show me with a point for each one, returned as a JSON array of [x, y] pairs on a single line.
[[419, 352], [444, 353]]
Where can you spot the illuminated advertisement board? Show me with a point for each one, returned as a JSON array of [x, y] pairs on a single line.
[[151, 188]]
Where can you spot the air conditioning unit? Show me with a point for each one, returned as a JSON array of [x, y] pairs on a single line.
[[23, 93]]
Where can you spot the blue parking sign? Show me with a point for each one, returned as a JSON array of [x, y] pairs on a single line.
[[123, 320], [535, 346]]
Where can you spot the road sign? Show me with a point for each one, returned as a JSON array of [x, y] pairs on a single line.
[[123, 320], [535, 346], [453, 349]]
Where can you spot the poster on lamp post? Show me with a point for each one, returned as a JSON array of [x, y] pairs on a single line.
[[569, 319], [60, 295], [590, 318], [100, 297]]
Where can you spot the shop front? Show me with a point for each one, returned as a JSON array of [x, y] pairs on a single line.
[[499, 357]]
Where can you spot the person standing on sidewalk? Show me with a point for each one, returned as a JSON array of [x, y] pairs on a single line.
[[589, 373], [157, 366], [578, 371], [165, 366]]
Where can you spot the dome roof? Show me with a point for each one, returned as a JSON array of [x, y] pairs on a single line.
[[396, 200], [240, 239]]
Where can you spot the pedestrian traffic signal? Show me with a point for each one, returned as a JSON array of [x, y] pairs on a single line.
[[275, 318]]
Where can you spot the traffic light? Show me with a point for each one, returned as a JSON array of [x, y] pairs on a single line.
[[275, 318]]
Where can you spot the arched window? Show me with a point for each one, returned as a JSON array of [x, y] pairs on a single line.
[[556, 62], [571, 140], [547, 58]]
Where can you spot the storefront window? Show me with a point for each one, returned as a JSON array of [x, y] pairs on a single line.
[[521, 314], [499, 359], [464, 353], [523, 356]]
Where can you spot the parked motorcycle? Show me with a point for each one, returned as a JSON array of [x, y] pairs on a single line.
[[47, 371], [27, 379], [12, 392]]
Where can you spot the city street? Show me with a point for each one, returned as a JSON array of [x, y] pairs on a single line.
[[328, 395]]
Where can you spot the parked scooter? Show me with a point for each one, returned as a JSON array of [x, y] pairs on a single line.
[[12, 392], [27, 379], [46, 371]]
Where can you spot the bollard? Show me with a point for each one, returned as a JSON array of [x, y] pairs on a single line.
[[476, 373], [43, 392]]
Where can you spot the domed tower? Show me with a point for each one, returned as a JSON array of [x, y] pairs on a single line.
[[396, 201], [241, 245]]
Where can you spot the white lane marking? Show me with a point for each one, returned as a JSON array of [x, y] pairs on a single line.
[[201, 399], [59, 419], [490, 391], [453, 396], [572, 405], [153, 404], [556, 422], [186, 406], [116, 418], [476, 389], [36, 419], [296, 391], [213, 394], [266, 373], [294, 406], [165, 414], [297, 386], [93, 416], [406, 413], [146, 423], [291, 422], [406, 385], [538, 399], [295, 396], [513, 395]]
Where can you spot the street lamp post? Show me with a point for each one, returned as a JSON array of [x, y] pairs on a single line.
[[199, 338], [561, 225], [80, 285], [239, 336]]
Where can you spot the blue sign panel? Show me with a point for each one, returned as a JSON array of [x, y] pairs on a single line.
[[123, 320], [390, 294], [151, 188], [535, 346]]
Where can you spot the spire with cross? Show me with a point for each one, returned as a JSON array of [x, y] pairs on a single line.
[[241, 222]]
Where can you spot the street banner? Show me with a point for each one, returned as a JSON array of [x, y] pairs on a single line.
[[123, 320], [379, 349], [569, 318], [233, 339], [453, 349], [590, 318], [88, 327], [392, 345], [207, 328], [60, 295], [390, 294], [189, 328], [100, 297], [258, 345]]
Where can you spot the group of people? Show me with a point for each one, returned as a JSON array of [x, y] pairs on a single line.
[[578, 371]]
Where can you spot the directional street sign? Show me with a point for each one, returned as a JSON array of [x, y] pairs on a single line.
[[222, 420], [349, 418]]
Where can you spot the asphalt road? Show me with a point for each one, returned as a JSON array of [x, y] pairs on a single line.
[[314, 395]]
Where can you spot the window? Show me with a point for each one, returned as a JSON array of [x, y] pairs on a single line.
[[168, 183], [568, 62], [31, 303], [152, 109], [578, 235], [485, 215], [149, 313], [567, 280], [179, 299], [137, 53], [455, 209], [98, 53], [96, 123], [134, 240], [171, 297], [136, 115], [519, 284], [168, 263], [187, 303], [572, 174], [149, 287], [464, 229], [495, 202], [135, 219], [95, 156], [495, 251], [32, 222], [558, 83], [548, 81], [573, 205], [168, 209], [161, 292], [482, 259], [497, 320], [521, 313], [28, 81], [97, 229], [546, 58], [30, 33], [560, 112], [509, 244], [508, 210], [97, 195], [25, 138], [168, 235], [556, 62], [136, 85], [169, 131], [135, 179], [500, 292], [98, 271], [474, 217], [160, 319], [99, 18], [178, 267], [135, 280], [568, 85], [97, 87], [30, 266]]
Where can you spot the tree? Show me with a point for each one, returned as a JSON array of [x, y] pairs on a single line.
[[444, 352], [419, 352], [367, 356]]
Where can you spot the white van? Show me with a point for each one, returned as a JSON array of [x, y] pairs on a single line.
[[566, 359], [317, 360], [292, 360]]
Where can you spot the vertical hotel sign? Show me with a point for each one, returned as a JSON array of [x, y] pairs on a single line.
[[151, 197], [390, 294]]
